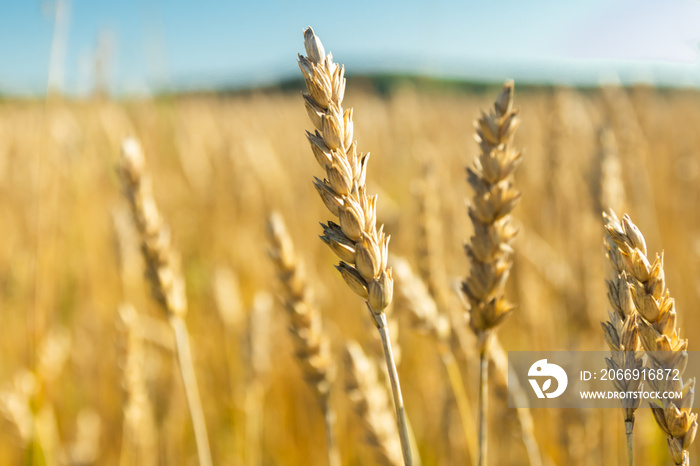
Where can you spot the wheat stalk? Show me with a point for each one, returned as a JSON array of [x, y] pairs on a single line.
[[431, 269], [371, 403], [363, 248], [489, 249], [163, 274], [231, 309], [620, 330], [413, 297], [508, 380], [259, 363], [656, 320], [312, 346]]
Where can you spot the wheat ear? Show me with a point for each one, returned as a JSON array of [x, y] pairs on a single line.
[[489, 249], [620, 330], [140, 437], [656, 320], [429, 252], [371, 403], [25, 406], [163, 274], [363, 248], [312, 346]]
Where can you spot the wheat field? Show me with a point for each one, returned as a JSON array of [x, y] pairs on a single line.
[[88, 362]]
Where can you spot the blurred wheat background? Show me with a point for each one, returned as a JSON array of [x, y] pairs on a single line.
[[70, 260], [88, 363]]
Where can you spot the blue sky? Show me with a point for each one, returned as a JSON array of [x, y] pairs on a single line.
[[158, 44]]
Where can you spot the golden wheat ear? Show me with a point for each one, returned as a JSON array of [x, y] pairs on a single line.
[[139, 430], [361, 246], [312, 346], [164, 275], [490, 249], [620, 330], [655, 317]]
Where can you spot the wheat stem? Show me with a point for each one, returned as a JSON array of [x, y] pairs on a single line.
[[629, 429], [464, 409], [254, 406], [421, 306], [367, 392], [483, 402], [506, 377], [184, 356], [395, 389], [331, 442], [259, 365]]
